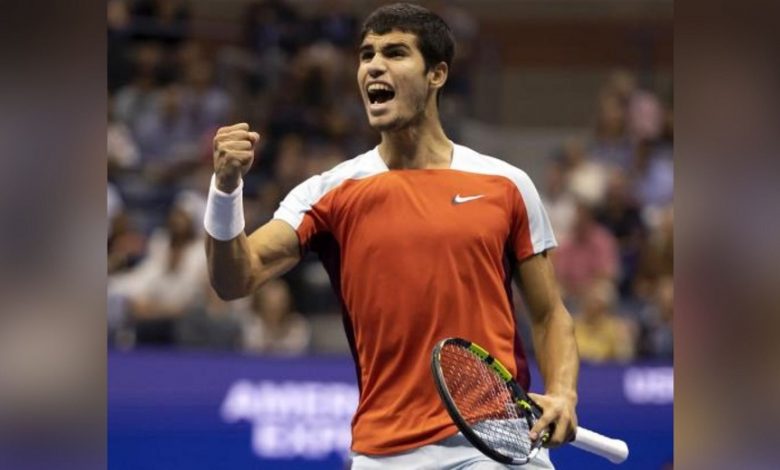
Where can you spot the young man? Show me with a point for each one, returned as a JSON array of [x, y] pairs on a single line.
[[420, 237]]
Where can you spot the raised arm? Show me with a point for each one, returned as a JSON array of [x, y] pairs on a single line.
[[238, 264], [555, 346]]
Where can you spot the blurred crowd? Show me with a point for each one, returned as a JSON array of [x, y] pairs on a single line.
[[609, 196], [291, 75]]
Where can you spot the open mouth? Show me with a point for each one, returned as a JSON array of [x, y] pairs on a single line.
[[379, 93]]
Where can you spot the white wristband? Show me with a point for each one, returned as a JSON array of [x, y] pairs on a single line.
[[224, 219]]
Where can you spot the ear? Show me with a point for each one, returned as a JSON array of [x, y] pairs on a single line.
[[437, 76]]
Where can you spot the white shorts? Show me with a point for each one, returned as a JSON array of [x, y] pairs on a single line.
[[453, 453]]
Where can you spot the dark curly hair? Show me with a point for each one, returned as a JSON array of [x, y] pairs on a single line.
[[434, 37]]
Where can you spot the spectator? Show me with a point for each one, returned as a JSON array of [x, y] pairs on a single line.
[[211, 325], [601, 334], [122, 150], [165, 132], [657, 254], [290, 161], [207, 105], [261, 201], [653, 174], [622, 216], [652, 169], [645, 117], [273, 326], [125, 243], [560, 204], [656, 339], [138, 97], [590, 253], [336, 24], [586, 179], [610, 145], [622, 84], [272, 26], [170, 279], [166, 21], [125, 248], [118, 44]]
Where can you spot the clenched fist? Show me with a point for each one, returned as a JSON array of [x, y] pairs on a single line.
[[234, 151]]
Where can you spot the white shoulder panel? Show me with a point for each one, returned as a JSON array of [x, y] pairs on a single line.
[[304, 196], [468, 160]]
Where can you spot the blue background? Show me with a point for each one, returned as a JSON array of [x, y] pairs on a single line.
[[164, 411]]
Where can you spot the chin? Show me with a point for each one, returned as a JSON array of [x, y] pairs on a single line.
[[384, 127], [383, 124], [388, 123]]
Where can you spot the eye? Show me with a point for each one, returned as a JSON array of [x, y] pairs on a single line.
[[366, 56], [396, 53]]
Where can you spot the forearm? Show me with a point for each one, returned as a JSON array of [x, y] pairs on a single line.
[[556, 352], [238, 264], [231, 267], [227, 248]]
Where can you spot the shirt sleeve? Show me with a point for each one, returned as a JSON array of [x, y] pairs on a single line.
[[531, 228], [307, 209]]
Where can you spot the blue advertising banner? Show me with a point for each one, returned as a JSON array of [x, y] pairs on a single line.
[[172, 410]]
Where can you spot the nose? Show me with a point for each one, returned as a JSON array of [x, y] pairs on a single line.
[[376, 67]]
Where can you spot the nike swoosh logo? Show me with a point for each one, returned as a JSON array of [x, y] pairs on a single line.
[[458, 199]]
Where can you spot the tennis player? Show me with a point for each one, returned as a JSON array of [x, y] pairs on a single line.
[[420, 237]]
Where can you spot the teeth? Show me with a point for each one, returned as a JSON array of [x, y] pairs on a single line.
[[379, 87]]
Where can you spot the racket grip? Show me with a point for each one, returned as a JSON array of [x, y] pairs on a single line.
[[614, 450]]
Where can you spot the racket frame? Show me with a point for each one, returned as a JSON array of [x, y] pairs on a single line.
[[521, 399]]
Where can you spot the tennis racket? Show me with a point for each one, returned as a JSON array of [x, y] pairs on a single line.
[[494, 412]]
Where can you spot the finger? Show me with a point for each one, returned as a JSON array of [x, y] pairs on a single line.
[[549, 414], [541, 425], [560, 433], [254, 137], [235, 145], [539, 402], [242, 126], [571, 434], [571, 428], [538, 399], [234, 135]]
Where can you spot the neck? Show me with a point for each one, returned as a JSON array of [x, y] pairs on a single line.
[[420, 145]]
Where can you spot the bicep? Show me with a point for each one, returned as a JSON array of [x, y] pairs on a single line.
[[276, 246], [538, 285]]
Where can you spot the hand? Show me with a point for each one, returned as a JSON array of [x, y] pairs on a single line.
[[234, 152], [559, 411]]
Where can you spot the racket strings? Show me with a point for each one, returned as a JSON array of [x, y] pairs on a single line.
[[485, 402]]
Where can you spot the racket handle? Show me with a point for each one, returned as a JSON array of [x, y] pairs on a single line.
[[614, 450]]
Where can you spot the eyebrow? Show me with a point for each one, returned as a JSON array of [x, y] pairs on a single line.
[[390, 45]]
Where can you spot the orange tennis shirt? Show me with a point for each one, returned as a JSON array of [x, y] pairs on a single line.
[[416, 256]]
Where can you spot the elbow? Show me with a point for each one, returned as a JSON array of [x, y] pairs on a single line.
[[556, 315], [563, 316], [228, 295], [238, 283], [229, 291]]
